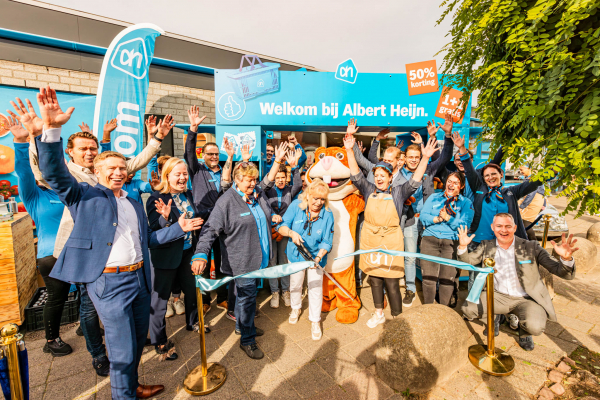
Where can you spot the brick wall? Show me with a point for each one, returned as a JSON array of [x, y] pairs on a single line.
[[162, 98]]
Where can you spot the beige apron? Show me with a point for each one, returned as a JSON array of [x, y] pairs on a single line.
[[381, 230]]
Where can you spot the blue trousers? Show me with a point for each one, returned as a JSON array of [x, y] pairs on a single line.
[[411, 238], [245, 309], [123, 303], [90, 324]]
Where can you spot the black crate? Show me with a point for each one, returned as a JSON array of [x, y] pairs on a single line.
[[34, 315]]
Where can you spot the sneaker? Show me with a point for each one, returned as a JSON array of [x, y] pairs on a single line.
[[409, 297], [101, 365], [170, 310], [375, 320], [513, 320], [206, 308], [223, 305], [179, 307], [259, 332], [275, 300], [252, 351], [57, 348], [294, 315], [196, 328], [286, 299], [526, 341], [230, 316], [316, 331]]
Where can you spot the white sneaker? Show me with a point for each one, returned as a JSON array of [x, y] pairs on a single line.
[[286, 299], [170, 311], [275, 300], [316, 331], [179, 307], [294, 315], [375, 320]]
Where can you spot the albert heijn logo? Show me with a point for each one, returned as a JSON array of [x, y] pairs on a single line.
[[346, 71], [131, 57]]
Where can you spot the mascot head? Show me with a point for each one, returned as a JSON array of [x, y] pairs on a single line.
[[331, 165]]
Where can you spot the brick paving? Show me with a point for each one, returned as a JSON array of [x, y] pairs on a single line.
[[340, 365]]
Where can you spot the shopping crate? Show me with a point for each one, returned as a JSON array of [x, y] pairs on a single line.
[[34, 312], [255, 80]]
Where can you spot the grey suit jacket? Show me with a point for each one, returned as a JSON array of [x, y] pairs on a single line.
[[529, 255]]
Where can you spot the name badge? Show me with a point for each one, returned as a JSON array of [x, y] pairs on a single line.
[[244, 214], [55, 202], [212, 180], [478, 192], [525, 262]]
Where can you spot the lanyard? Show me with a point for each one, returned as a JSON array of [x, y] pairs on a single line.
[[309, 221]]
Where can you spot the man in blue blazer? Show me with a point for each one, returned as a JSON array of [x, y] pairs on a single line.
[[107, 249]]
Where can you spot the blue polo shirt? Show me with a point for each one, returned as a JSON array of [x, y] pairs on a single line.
[[418, 195], [321, 235], [279, 194], [445, 230], [488, 210], [215, 178], [135, 188]]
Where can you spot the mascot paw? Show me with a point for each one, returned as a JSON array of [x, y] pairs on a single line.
[[347, 315], [329, 305]]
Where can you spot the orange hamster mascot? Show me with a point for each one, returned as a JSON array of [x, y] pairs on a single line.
[[331, 165]]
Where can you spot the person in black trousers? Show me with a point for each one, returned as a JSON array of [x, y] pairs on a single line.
[[172, 260]]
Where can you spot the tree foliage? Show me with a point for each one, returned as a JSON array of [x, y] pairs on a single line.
[[537, 66]]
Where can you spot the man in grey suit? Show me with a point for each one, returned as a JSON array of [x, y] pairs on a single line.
[[518, 288]]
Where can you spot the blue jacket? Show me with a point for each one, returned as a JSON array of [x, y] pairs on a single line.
[[94, 212], [445, 230], [42, 204]]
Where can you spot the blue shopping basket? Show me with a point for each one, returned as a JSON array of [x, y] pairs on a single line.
[[255, 80]]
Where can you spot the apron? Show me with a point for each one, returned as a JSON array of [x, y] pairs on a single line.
[[381, 230]]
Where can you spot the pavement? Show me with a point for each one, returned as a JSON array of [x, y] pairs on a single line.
[[339, 366]]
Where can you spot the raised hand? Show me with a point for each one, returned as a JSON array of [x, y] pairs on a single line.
[[229, 148], [293, 141], [276, 219], [400, 144], [382, 134], [458, 140], [352, 128], [162, 208], [195, 118], [21, 135], [566, 249], [192, 224], [432, 147], [448, 124], [463, 237], [292, 157], [155, 181], [417, 139], [349, 141], [360, 146], [280, 151], [85, 127], [431, 128], [165, 126], [27, 117], [52, 115], [151, 126], [246, 153], [110, 126]]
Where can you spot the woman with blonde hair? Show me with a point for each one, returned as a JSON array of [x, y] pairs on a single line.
[[309, 222], [171, 261]]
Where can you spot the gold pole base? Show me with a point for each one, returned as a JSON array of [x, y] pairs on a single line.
[[500, 364], [197, 385]]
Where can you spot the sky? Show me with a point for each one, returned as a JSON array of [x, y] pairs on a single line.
[[379, 35]]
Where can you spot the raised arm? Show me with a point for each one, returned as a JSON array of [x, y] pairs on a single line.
[[474, 257], [296, 182], [525, 188], [28, 189], [226, 175], [190, 144], [372, 157], [498, 157], [350, 145], [426, 153], [565, 266], [154, 141], [279, 155], [473, 177]]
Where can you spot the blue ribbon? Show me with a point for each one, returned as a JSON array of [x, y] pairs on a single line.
[[267, 273], [477, 285]]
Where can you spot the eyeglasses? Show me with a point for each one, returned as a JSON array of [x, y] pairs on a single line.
[[211, 154]]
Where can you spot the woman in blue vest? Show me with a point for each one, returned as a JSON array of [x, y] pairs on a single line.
[[171, 261], [441, 216]]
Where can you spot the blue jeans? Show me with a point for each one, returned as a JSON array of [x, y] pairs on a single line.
[[123, 303], [411, 236], [90, 324], [245, 309], [279, 258]]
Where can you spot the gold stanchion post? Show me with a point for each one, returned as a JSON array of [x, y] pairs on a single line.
[[489, 359], [205, 378], [546, 218], [9, 336]]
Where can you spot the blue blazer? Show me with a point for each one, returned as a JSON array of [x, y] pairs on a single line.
[[94, 212]]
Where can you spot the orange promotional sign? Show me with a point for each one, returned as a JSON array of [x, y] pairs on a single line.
[[422, 77], [451, 102]]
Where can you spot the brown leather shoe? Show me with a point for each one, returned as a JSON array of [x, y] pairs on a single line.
[[223, 305], [147, 391], [206, 308]]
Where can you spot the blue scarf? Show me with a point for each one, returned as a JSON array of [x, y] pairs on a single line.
[[496, 191]]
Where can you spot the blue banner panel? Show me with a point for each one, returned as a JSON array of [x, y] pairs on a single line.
[[123, 86]]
